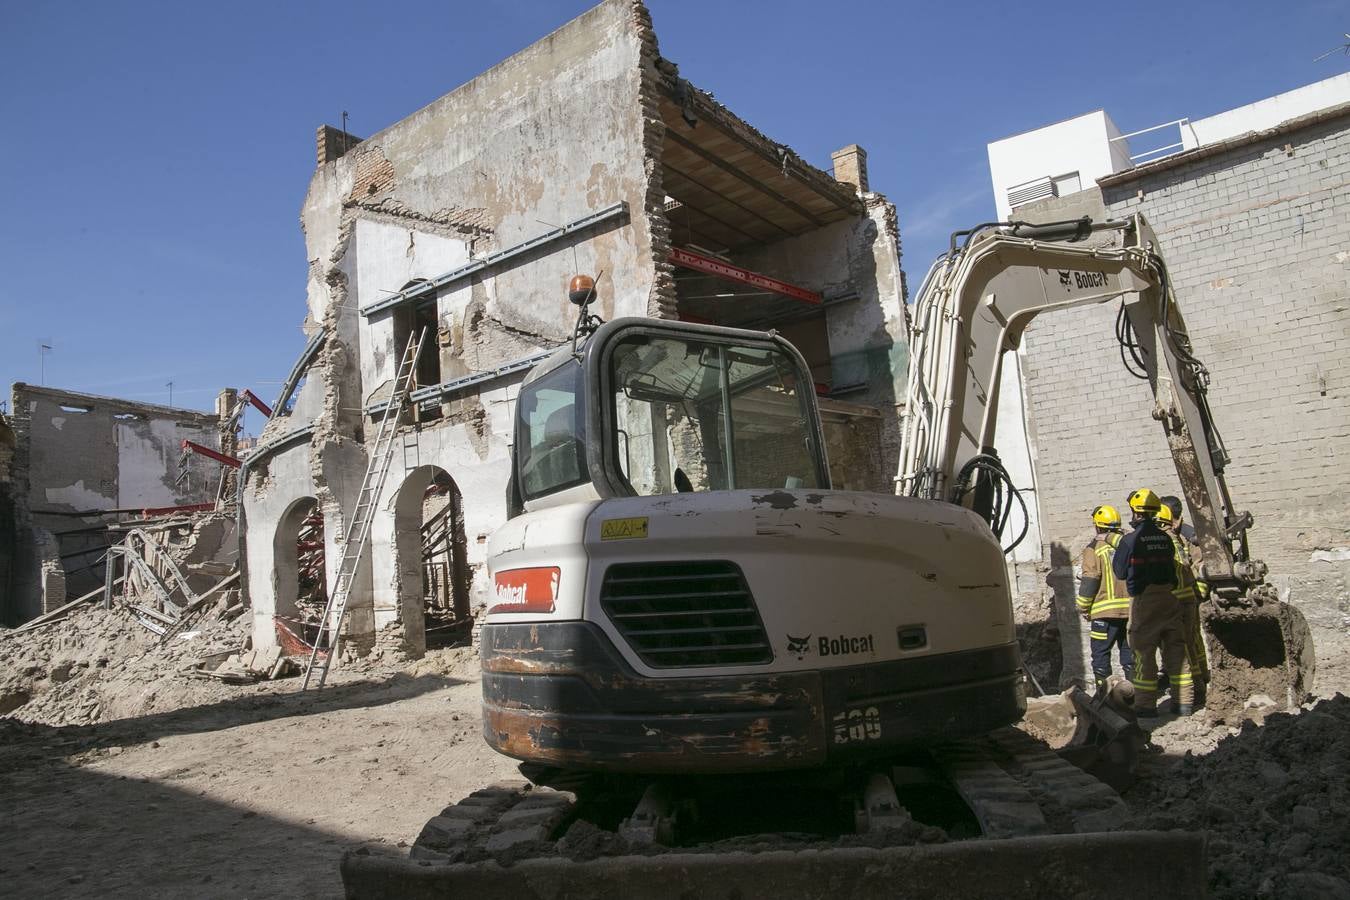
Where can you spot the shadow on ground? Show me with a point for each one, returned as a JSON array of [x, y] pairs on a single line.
[[224, 714]]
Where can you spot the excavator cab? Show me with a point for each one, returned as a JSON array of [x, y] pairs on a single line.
[[645, 408]]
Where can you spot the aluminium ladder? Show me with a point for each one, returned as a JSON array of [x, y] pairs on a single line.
[[358, 526]]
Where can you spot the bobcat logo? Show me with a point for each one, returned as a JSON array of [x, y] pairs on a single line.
[[799, 645], [1064, 277]]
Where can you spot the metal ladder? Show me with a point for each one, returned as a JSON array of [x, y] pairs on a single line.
[[358, 526]]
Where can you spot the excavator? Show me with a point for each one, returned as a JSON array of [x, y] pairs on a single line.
[[722, 677]]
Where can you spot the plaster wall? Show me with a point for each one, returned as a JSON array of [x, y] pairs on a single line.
[[1081, 144], [548, 136], [1267, 113]]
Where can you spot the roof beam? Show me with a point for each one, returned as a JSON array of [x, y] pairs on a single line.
[[707, 215], [745, 209], [754, 182], [706, 109]]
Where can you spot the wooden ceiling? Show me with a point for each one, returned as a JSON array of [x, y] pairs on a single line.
[[733, 186]]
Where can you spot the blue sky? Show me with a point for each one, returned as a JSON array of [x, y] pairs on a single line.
[[157, 153]]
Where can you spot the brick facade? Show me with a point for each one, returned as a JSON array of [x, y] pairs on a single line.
[[1256, 233]]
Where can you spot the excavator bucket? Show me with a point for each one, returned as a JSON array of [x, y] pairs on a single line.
[[1259, 656]]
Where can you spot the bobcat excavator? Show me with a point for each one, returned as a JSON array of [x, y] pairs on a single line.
[[725, 679]]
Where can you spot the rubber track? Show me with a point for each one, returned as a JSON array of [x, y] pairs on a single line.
[[1002, 805], [1014, 784], [492, 821], [1089, 804]]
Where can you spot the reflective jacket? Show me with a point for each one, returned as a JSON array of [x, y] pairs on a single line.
[[1146, 557], [1186, 583], [1101, 595]]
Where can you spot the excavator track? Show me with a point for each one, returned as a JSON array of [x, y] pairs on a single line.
[[1044, 831]]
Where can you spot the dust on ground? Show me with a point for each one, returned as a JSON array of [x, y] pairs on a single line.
[[177, 786]]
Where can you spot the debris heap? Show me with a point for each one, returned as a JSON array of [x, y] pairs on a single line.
[[1275, 799]]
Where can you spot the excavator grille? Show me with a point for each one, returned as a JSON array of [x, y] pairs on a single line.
[[679, 614]]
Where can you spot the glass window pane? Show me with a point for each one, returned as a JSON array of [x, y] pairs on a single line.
[[550, 410], [670, 406]]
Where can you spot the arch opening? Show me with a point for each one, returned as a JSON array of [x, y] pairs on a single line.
[[433, 570], [300, 578]]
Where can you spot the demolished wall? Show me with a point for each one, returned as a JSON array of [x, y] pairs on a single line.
[[85, 454]]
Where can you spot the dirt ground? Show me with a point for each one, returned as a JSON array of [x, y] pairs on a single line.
[[128, 777], [255, 795]]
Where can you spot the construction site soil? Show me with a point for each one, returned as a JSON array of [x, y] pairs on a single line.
[[122, 774]]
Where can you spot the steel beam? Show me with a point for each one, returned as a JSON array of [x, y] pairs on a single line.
[[222, 458], [435, 392], [431, 286], [301, 364], [727, 272]]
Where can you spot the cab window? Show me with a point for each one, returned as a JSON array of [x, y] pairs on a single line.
[[550, 450], [693, 415]]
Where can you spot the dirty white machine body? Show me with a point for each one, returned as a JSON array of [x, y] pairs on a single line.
[[682, 591]]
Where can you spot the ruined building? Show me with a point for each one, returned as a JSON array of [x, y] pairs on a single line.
[[586, 152], [70, 464]]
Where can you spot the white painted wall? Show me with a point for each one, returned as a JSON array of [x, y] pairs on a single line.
[[387, 257], [1081, 144], [1268, 113], [1015, 449]]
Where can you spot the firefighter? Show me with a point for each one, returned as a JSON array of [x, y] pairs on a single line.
[[1195, 670], [1103, 599], [1146, 561]]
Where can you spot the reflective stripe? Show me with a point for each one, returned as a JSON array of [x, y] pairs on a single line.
[[1145, 685], [1183, 678], [1098, 635]]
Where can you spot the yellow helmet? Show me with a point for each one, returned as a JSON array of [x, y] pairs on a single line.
[[1106, 517], [1164, 514], [1144, 502]]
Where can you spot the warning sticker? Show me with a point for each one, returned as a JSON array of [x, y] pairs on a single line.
[[623, 529]]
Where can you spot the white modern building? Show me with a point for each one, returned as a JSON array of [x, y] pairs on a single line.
[[1068, 156]]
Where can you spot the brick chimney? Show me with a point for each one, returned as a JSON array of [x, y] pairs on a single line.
[[850, 167], [334, 143]]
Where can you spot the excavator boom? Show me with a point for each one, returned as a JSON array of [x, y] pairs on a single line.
[[976, 305]]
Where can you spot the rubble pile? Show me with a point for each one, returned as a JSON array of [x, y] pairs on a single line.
[[102, 664], [1275, 799]]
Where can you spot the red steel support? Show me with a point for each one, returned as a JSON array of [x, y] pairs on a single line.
[[727, 272], [252, 398], [211, 454]]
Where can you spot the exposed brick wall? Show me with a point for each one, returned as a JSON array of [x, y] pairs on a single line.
[[332, 143], [661, 303], [1257, 237]]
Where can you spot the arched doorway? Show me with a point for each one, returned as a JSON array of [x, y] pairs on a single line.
[[299, 576], [433, 569]]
